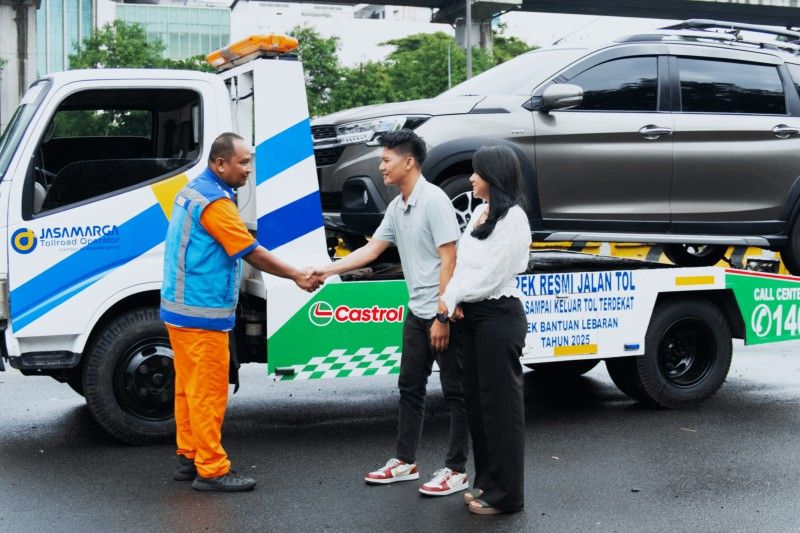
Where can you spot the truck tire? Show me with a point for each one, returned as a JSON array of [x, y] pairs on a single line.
[[128, 378], [459, 190], [565, 370], [694, 255], [687, 356], [790, 254]]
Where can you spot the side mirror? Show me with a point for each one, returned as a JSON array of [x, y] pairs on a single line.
[[561, 96]]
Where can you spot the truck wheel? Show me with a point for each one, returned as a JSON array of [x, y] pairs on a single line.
[[691, 255], [129, 379], [565, 370], [459, 190], [687, 356], [790, 254], [76, 384]]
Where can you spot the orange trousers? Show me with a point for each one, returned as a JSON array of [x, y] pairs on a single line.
[[201, 360]]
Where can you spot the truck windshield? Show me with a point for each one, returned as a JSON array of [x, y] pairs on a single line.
[[519, 75], [19, 123]]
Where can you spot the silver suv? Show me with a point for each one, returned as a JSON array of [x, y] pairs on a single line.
[[687, 136]]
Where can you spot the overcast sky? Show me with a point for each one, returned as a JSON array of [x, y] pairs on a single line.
[[544, 28]]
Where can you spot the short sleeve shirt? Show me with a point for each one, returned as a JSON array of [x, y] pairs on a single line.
[[418, 227], [222, 221]]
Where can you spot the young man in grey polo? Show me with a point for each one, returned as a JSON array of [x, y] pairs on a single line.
[[421, 222]]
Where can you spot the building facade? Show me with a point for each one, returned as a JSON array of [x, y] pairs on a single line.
[[61, 25], [17, 53], [186, 28]]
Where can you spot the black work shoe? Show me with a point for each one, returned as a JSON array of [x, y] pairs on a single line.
[[184, 469], [230, 482]]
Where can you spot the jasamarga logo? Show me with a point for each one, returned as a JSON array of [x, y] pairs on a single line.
[[23, 241], [78, 235], [323, 313]]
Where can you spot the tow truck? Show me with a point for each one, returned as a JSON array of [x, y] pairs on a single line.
[[90, 165]]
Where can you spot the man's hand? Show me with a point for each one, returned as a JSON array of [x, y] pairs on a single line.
[[308, 280], [320, 272], [440, 335], [458, 314]]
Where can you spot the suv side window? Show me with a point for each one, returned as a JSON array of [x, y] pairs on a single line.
[[713, 86], [627, 84], [99, 142], [794, 72]]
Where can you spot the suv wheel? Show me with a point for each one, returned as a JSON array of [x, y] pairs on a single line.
[[694, 255], [459, 190], [790, 254]]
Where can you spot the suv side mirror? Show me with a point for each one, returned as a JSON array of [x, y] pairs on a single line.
[[561, 96]]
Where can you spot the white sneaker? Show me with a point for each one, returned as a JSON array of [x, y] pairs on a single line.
[[394, 470], [444, 482]]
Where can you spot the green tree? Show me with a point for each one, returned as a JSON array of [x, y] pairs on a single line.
[[505, 48], [365, 84], [118, 45], [321, 66], [418, 65]]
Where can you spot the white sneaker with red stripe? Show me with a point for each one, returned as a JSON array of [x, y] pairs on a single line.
[[394, 470], [444, 482]]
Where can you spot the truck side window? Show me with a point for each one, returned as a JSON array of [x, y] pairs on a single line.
[[101, 142]]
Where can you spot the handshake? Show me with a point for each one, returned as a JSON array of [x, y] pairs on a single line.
[[310, 278]]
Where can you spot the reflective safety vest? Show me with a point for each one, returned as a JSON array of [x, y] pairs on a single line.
[[201, 282]]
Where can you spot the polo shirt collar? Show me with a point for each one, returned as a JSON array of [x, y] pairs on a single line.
[[229, 191], [414, 196]]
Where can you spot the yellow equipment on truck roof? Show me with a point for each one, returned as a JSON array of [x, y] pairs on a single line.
[[250, 48]]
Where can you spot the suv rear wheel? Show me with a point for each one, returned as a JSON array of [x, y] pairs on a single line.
[[459, 190], [790, 255], [692, 255]]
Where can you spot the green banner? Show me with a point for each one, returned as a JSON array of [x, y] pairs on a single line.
[[770, 305], [346, 329]]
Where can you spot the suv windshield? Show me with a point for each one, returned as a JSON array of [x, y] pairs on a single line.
[[519, 75], [19, 123]]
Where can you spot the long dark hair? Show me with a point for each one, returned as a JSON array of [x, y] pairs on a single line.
[[499, 166]]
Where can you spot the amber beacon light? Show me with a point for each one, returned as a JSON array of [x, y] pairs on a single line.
[[250, 48]]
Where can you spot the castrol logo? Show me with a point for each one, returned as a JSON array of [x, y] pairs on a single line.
[[323, 313]]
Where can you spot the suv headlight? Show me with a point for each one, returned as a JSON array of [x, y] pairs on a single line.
[[367, 131]]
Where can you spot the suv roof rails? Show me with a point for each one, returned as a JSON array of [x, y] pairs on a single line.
[[729, 33], [734, 28]]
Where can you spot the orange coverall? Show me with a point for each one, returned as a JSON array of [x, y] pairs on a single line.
[[202, 359]]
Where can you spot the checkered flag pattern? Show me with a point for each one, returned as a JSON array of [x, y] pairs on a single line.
[[338, 364]]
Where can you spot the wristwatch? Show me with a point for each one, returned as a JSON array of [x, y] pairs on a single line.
[[441, 317]]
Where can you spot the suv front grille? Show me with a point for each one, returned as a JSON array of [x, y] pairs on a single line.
[[328, 156], [331, 201], [323, 132]]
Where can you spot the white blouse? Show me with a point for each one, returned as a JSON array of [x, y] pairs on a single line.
[[487, 269]]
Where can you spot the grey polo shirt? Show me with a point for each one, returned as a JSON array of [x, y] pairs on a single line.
[[418, 228]]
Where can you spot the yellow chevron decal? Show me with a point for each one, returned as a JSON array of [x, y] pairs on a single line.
[[166, 190]]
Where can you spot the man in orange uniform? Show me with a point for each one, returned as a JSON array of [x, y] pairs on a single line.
[[205, 241]]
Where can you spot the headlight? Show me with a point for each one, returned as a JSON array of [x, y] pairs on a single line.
[[367, 131]]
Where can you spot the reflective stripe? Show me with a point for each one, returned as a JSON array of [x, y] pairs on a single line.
[[190, 198], [180, 275], [194, 310], [195, 196]]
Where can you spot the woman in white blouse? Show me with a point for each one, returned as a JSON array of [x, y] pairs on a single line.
[[492, 251]]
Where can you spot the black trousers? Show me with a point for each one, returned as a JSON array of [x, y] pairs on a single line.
[[493, 337], [415, 368]]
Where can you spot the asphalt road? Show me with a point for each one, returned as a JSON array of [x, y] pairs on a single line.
[[595, 460]]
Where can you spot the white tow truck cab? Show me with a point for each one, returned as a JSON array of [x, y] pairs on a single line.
[[89, 167]]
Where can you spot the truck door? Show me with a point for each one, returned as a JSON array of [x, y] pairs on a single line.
[[95, 187]]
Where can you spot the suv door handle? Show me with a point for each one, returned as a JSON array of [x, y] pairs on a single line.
[[784, 132], [652, 132]]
